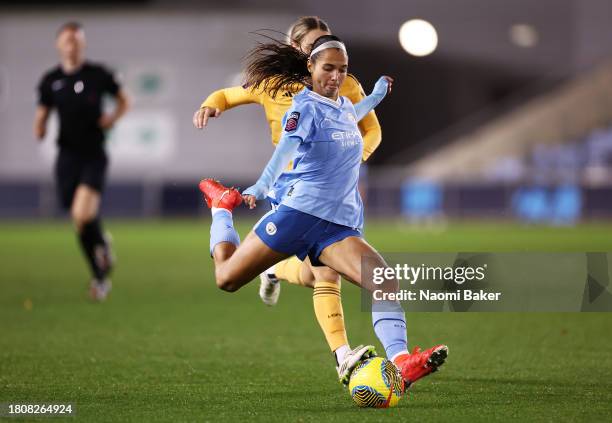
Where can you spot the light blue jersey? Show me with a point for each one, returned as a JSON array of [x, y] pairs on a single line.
[[325, 174]]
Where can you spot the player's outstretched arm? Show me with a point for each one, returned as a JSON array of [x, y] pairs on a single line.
[[222, 100], [369, 125], [381, 89], [284, 152], [40, 121]]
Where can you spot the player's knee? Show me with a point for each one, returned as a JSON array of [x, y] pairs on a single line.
[[310, 283], [79, 218], [226, 282], [307, 279], [326, 274], [227, 286], [305, 275], [322, 274]]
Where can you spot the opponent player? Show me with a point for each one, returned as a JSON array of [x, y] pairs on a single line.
[[76, 88], [320, 213], [326, 295]]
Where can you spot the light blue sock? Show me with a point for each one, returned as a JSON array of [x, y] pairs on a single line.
[[389, 322], [222, 229]]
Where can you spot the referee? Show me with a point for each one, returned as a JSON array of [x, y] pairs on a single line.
[[75, 88]]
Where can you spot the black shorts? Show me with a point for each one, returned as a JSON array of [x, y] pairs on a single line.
[[73, 169]]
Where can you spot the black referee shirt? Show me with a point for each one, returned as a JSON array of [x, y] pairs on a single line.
[[78, 100]]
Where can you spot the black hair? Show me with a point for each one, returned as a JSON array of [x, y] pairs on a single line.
[[275, 66]]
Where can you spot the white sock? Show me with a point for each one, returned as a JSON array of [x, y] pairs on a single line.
[[398, 354], [214, 210], [341, 353]]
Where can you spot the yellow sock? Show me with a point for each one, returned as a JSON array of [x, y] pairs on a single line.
[[328, 309], [289, 270]]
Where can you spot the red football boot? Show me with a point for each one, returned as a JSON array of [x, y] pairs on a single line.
[[216, 195], [420, 363]]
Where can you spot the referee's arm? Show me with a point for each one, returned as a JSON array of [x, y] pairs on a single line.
[[40, 121], [43, 108], [122, 105]]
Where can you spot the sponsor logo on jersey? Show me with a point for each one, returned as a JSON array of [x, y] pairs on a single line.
[[345, 135], [347, 138], [270, 228], [292, 121]]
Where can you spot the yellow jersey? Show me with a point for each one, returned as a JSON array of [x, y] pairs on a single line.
[[275, 108]]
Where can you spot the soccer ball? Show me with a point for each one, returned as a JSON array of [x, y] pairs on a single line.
[[376, 383]]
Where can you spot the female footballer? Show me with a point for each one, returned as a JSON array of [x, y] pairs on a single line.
[[326, 296], [319, 213]]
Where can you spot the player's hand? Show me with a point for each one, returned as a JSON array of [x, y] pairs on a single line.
[[254, 193], [389, 83], [250, 201], [200, 117], [383, 86], [106, 122]]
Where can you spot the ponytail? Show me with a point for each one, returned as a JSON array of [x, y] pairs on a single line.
[[275, 66]]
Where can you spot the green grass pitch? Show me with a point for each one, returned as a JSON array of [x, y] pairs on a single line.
[[169, 346]]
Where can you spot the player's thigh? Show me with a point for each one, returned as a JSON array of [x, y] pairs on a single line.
[[91, 185], [86, 203], [249, 260], [350, 257], [67, 176]]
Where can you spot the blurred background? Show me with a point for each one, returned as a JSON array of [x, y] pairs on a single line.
[[501, 109]]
